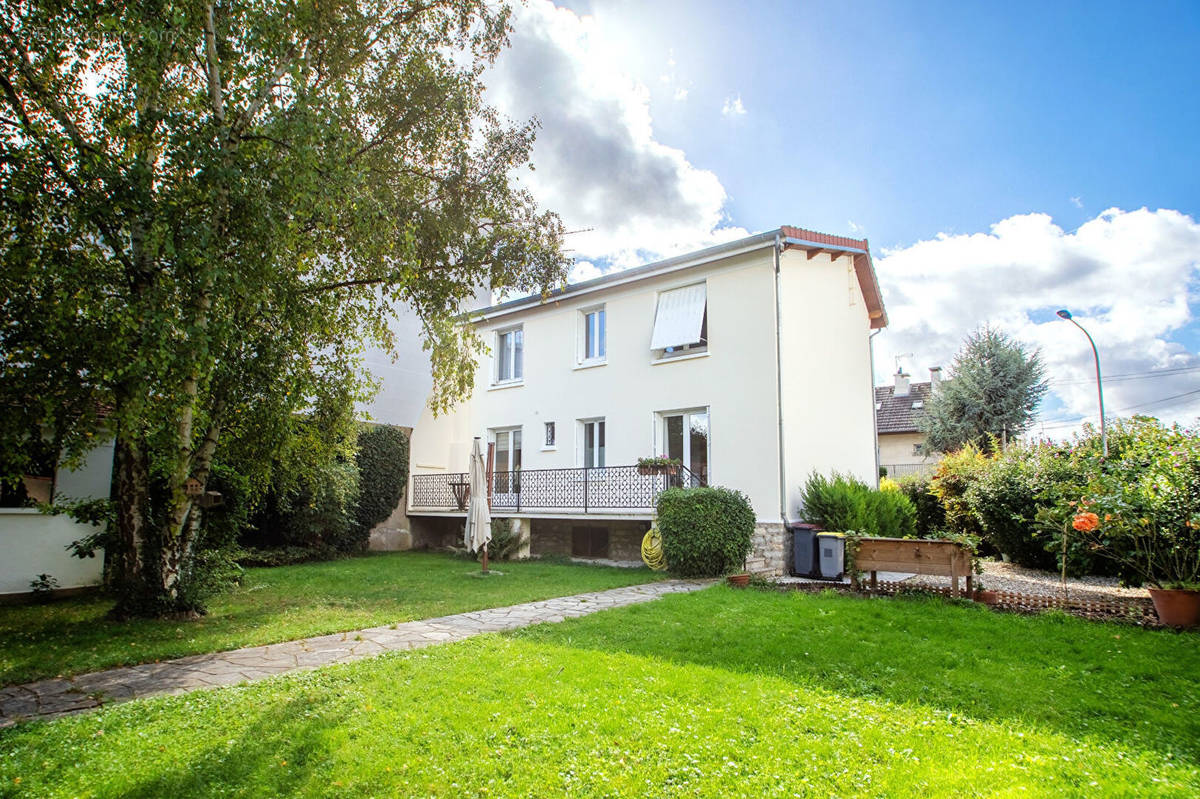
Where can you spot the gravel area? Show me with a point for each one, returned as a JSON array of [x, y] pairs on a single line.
[[999, 576]]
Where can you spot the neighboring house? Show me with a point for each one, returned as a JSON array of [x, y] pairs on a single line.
[[898, 410], [750, 362]]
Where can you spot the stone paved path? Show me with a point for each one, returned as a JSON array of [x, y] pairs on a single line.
[[50, 698]]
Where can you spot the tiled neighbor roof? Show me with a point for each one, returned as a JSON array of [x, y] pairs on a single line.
[[897, 414]]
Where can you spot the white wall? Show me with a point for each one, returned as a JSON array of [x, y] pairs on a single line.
[[735, 381], [32, 543], [898, 448], [828, 393]]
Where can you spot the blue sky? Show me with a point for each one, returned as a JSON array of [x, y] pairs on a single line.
[[981, 147]]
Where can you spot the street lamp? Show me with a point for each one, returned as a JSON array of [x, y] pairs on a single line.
[[1065, 314]]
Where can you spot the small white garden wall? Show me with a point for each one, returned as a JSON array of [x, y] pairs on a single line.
[[32, 543]]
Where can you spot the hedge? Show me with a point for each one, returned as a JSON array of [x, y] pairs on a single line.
[[705, 531]]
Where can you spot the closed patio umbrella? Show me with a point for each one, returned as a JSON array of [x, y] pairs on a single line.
[[479, 517]]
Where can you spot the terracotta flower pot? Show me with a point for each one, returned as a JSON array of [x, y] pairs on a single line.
[[1177, 607], [739, 580], [987, 597]]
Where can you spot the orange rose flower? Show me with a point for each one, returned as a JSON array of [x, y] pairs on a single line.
[[1086, 522]]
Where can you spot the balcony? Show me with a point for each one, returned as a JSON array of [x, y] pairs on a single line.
[[608, 489]]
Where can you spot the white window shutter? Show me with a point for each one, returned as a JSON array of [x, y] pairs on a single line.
[[679, 318]]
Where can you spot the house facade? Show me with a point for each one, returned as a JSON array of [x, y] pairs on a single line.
[[749, 362], [898, 411]]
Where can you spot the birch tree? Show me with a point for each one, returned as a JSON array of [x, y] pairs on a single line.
[[210, 208]]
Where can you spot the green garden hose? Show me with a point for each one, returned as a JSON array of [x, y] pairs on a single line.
[[652, 551]]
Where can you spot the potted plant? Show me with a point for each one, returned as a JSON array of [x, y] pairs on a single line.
[[984, 595], [659, 465], [1143, 511]]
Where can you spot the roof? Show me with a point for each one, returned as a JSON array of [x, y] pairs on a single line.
[[896, 414], [812, 242]]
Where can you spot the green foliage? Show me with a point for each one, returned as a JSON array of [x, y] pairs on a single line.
[[705, 531], [202, 243], [951, 481], [382, 473], [930, 515], [43, 587], [316, 509], [996, 386], [505, 543], [1147, 495], [843, 503], [1003, 497]]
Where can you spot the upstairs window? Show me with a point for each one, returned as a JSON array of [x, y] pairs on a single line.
[[681, 322], [510, 355], [549, 435], [594, 337]]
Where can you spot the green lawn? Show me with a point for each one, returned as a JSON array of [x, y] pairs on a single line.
[[283, 603], [720, 693]]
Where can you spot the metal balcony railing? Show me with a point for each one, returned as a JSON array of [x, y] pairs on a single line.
[[580, 490]]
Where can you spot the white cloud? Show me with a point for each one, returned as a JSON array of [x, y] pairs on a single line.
[[733, 107], [680, 94], [1127, 276], [1077, 202], [598, 162], [584, 270]]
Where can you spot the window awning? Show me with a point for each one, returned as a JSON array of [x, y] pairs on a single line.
[[679, 318]]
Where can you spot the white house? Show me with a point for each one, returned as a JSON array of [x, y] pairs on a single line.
[[750, 362], [898, 411]]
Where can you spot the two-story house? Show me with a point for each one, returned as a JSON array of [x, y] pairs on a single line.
[[750, 362], [898, 411]]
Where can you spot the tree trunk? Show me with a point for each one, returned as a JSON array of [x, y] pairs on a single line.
[[132, 500]]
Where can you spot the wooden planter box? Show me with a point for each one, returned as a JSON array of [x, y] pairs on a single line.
[[915, 555], [671, 471]]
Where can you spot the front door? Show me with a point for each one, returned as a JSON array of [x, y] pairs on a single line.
[[685, 438], [507, 464]]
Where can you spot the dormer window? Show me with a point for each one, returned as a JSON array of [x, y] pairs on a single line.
[[918, 405]]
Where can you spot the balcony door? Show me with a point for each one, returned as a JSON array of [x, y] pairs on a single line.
[[685, 438], [507, 464]]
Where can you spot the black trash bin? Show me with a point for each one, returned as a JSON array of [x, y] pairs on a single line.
[[805, 562]]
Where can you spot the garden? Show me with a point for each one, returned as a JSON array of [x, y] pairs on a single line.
[[1132, 515], [718, 692]]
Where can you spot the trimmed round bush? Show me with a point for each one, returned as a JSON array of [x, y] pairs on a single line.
[[382, 473], [705, 531]]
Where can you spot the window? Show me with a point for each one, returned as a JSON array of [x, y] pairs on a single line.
[[593, 338], [685, 438], [918, 449], [918, 405], [510, 355], [593, 443], [549, 435], [681, 322]]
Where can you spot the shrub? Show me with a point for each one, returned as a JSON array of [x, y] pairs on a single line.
[[930, 515], [382, 461], [705, 531], [835, 503], [314, 510], [1145, 498], [506, 541], [843, 503], [951, 480], [1003, 499]]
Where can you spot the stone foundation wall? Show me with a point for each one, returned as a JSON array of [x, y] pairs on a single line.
[[553, 536], [770, 550], [435, 532]]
